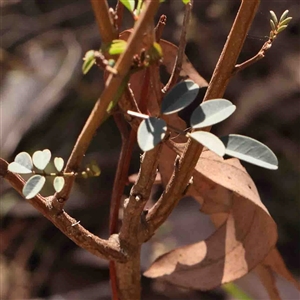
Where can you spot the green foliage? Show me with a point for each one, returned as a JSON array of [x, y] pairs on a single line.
[[58, 183], [278, 26], [179, 97], [58, 163], [116, 47], [89, 61], [41, 159], [186, 1], [250, 150], [24, 163], [153, 130], [33, 186], [155, 52], [129, 4], [209, 140], [211, 112]]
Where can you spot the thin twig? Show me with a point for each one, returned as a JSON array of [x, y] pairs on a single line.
[[261, 54], [121, 177], [128, 102], [119, 14], [112, 85], [106, 28], [160, 27], [221, 76], [106, 249], [181, 48]]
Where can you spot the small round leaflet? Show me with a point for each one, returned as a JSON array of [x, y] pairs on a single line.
[[58, 163], [33, 186], [58, 183], [41, 158], [22, 164], [179, 97], [151, 132], [211, 112], [250, 150], [209, 140]]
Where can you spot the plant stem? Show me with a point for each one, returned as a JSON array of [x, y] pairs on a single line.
[[106, 249], [106, 29], [112, 86], [129, 277], [220, 79], [181, 48], [261, 54], [119, 12]]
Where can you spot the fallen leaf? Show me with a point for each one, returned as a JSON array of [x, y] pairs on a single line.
[[266, 270], [238, 245]]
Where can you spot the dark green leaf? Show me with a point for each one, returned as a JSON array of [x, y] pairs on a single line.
[[179, 97], [151, 132], [33, 186], [209, 140], [211, 112], [250, 150]]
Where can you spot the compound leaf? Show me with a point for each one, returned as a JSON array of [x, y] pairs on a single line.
[[250, 150], [58, 183], [179, 97], [33, 186], [151, 132], [210, 141], [41, 158], [22, 164], [211, 112]]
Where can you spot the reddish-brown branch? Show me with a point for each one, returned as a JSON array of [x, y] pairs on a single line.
[[221, 76], [181, 48], [119, 13], [121, 178], [261, 54], [107, 249], [160, 27], [112, 85], [105, 25]]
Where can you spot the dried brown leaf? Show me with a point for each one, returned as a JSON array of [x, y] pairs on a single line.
[[238, 245], [266, 270]]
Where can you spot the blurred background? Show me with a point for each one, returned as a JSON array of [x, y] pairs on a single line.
[[45, 101]]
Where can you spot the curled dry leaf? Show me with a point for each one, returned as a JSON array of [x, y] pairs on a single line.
[[238, 245], [267, 269]]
